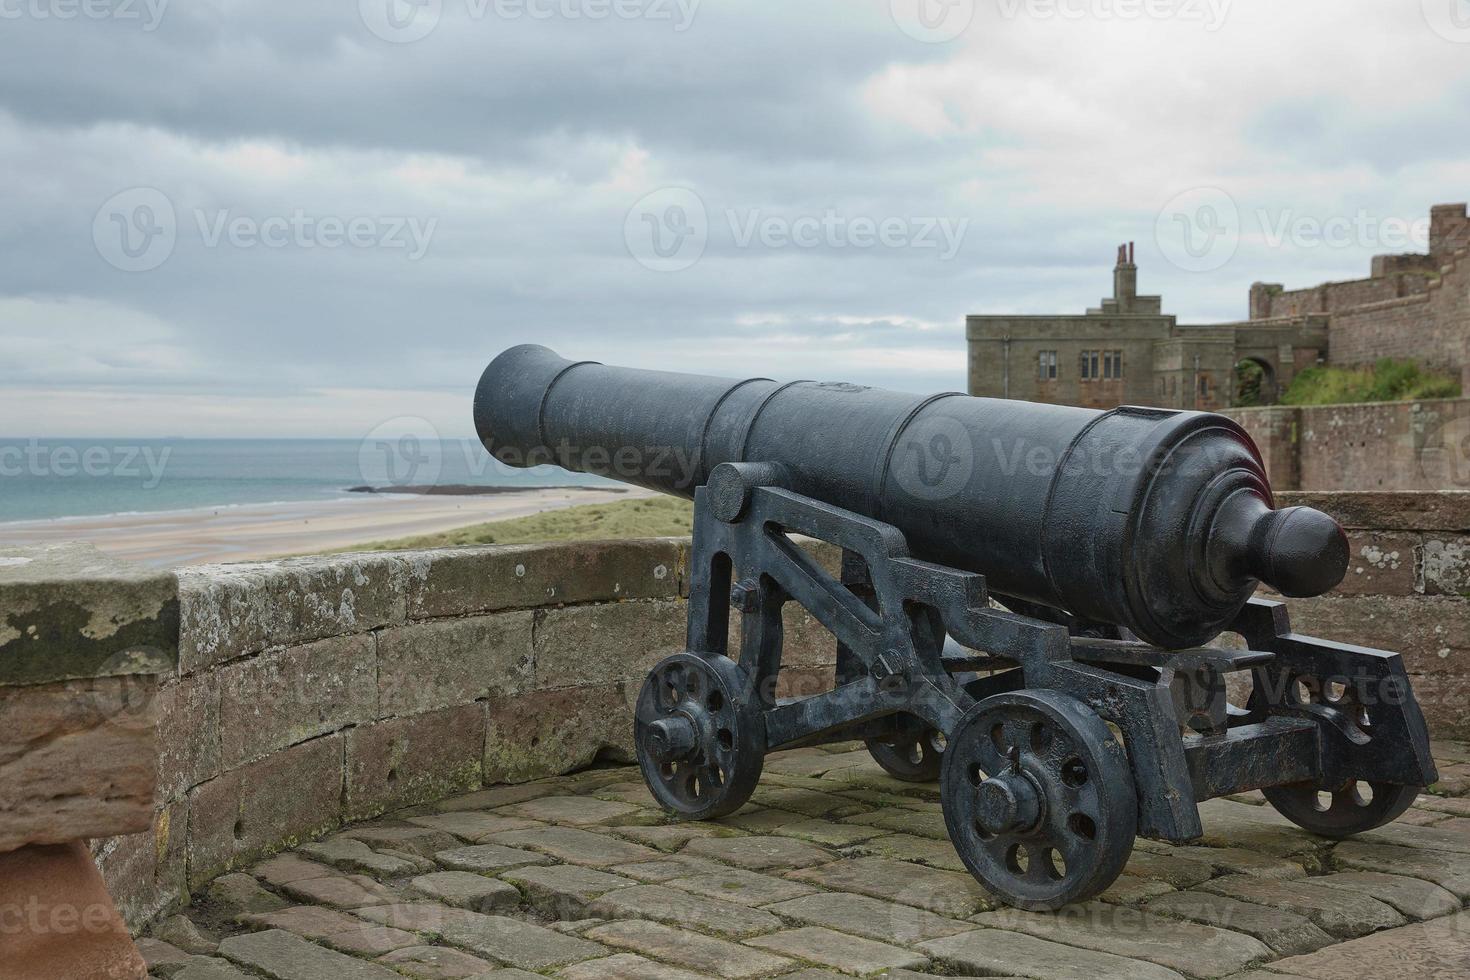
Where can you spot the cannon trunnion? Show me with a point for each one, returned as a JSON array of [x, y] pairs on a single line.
[[1021, 611]]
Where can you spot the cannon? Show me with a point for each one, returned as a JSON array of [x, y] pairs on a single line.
[[1023, 610]]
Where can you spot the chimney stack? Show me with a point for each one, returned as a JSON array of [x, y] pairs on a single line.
[[1125, 279]]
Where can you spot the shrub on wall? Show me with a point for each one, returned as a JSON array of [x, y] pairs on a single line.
[[1388, 380]]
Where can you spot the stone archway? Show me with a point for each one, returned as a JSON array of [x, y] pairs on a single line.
[[1255, 382]]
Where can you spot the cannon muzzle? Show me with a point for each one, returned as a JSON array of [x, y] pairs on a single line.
[[1156, 520]]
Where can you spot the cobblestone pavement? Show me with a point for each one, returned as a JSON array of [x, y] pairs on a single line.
[[834, 869]]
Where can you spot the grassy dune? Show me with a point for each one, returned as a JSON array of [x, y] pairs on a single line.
[[643, 518]]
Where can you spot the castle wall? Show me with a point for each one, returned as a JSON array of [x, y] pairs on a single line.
[[1431, 328], [317, 691], [1377, 446]]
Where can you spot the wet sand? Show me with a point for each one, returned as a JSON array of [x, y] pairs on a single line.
[[251, 532]]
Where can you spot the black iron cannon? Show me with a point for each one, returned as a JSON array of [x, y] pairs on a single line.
[[1022, 609]]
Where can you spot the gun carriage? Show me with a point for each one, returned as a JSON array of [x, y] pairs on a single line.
[[1025, 609]]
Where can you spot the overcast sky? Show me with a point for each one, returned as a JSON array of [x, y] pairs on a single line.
[[277, 217]]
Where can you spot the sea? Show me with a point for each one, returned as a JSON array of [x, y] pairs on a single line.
[[48, 479]]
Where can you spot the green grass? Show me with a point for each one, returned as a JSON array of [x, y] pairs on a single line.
[[651, 517], [1387, 381]]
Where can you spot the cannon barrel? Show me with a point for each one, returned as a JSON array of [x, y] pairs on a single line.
[[1156, 520]]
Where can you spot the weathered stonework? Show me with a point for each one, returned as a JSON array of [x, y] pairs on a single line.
[[68, 612], [230, 611], [414, 759], [320, 690], [84, 640], [77, 760]]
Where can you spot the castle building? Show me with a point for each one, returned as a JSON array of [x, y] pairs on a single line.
[[1127, 351]]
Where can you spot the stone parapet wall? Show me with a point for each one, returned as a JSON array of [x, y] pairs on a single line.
[[1421, 446], [316, 691]]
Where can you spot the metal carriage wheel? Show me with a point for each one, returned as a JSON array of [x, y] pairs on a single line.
[[700, 745], [1038, 799], [1355, 805], [912, 752]]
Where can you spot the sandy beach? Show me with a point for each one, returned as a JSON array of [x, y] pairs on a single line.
[[254, 531]]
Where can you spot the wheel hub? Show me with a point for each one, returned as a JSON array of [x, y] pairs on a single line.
[[700, 745], [1007, 804], [1038, 799], [672, 739]]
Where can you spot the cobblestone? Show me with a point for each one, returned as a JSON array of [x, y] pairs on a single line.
[[817, 945], [681, 947], [465, 890], [834, 871]]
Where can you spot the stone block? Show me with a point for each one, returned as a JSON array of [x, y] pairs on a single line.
[[491, 655], [78, 759], [471, 581], [993, 952], [277, 953], [189, 750], [677, 908], [760, 853], [564, 891], [1380, 564], [576, 846], [145, 872], [58, 919], [708, 956], [229, 611], [545, 732], [71, 613], [623, 966], [1430, 632], [287, 696], [869, 917], [584, 646], [1439, 948], [946, 893], [511, 941], [465, 890], [438, 963], [741, 887], [1388, 510], [847, 953], [265, 806], [1338, 912], [403, 761], [1285, 932]]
